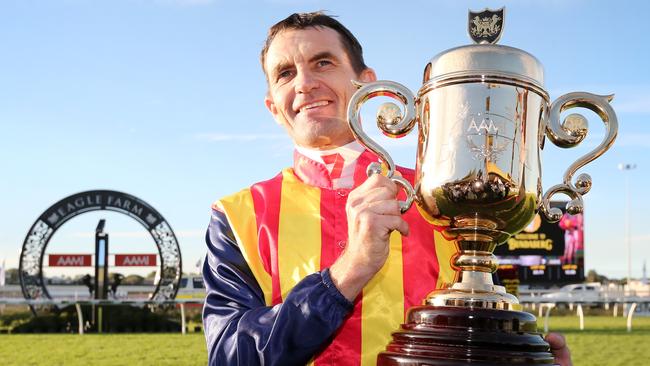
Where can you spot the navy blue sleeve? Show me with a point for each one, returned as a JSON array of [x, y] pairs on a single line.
[[241, 330]]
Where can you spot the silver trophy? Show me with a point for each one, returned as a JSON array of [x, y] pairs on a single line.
[[483, 116]]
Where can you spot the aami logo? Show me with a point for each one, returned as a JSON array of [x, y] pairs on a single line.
[[486, 125], [135, 260], [69, 260]]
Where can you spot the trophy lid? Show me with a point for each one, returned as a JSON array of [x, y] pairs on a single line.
[[485, 57]]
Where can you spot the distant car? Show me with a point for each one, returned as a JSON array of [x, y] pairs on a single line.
[[580, 292], [191, 288]]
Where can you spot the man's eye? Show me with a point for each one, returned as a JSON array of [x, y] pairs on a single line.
[[284, 74], [322, 63]]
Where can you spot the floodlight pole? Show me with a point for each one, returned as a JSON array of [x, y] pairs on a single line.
[[627, 168]]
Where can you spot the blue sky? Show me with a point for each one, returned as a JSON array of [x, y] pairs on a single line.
[[163, 99]]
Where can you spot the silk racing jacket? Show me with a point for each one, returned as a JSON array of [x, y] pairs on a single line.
[[270, 299]]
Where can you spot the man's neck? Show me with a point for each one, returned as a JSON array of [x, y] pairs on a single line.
[[340, 162]]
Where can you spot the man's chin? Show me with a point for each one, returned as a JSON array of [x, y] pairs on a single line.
[[324, 141], [312, 120]]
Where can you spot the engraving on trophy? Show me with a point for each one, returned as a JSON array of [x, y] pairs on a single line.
[[483, 137], [486, 26], [463, 110], [486, 125]]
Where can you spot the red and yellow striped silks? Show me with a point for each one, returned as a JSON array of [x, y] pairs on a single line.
[[287, 229]]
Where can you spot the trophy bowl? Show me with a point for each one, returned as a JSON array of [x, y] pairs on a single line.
[[483, 116]]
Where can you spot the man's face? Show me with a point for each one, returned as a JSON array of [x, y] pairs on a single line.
[[309, 76]]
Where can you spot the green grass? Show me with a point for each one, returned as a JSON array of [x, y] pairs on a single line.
[[110, 349], [605, 341]]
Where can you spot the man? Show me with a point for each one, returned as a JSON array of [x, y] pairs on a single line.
[[317, 264]]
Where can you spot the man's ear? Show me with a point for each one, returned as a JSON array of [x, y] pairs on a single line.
[[368, 75], [270, 105]]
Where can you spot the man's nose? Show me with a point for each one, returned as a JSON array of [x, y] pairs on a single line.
[[305, 82]]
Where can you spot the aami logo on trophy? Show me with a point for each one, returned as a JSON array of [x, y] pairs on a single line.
[[483, 138]]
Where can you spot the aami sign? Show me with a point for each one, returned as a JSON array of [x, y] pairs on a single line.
[[135, 260], [70, 260]]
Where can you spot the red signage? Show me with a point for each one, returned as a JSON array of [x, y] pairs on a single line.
[[135, 260], [70, 260]]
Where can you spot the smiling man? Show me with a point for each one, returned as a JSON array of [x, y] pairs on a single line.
[[317, 264], [309, 75]]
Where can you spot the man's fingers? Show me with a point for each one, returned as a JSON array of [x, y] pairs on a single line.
[[388, 222], [556, 341], [385, 207], [373, 195], [398, 223], [403, 227], [378, 180], [559, 349]]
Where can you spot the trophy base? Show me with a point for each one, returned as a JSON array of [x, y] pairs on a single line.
[[449, 335], [476, 290]]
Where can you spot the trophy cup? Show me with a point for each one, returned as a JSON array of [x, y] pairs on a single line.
[[483, 115]]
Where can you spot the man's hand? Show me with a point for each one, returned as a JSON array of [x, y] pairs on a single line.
[[373, 213], [559, 349]]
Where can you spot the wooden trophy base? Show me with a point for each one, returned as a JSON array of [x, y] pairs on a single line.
[[446, 336]]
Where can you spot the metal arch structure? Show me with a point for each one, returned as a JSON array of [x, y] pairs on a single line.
[[38, 236]]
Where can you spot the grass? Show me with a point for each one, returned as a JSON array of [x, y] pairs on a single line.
[[109, 349], [605, 341]]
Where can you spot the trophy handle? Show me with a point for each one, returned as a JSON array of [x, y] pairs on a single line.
[[570, 133], [390, 121]]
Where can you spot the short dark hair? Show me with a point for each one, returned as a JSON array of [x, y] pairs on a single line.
[[318, 19]]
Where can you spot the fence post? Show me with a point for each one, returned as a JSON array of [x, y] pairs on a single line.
[[581, 315], [630, 314], [182, 318], [547, 315], [80, 318]]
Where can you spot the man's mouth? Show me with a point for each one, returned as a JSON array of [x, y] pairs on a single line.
[[313, 105]]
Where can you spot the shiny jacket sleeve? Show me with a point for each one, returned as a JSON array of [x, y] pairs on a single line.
[[241, 330]]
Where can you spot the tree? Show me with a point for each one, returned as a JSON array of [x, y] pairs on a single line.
[[11, 276], [133, 279], [593, 276]]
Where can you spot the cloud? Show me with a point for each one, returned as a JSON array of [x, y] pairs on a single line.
[[186, 2], [180, 234], [636, 103], [632, 99], [113, 234], [634, 140], [292, 2], [410, 141], [641, 140], [387, 142], [640, 238], [190, 233]]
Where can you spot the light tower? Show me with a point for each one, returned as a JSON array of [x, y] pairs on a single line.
[[626, 168]]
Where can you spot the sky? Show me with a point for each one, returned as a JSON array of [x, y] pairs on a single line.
[[164, 100]]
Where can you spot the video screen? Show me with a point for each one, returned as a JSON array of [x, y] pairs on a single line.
[[545, 254]]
